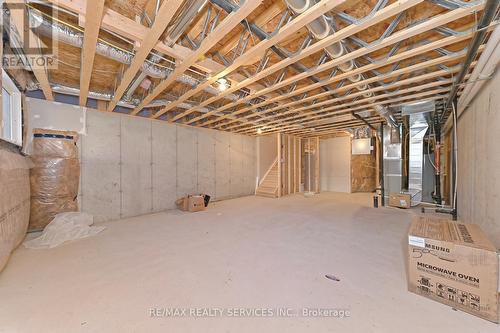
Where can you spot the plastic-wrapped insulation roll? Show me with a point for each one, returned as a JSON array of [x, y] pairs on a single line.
[[55, 176]]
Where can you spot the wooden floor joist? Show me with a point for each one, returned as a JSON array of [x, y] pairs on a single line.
[[296, 24], [231, 21], [405, 70], [316, 107], [396, 37], [164, 16], [92, 26], [337, 78], [416, 41], [387, 12]]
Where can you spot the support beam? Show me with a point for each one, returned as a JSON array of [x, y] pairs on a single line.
[[163, 18], [92, 26], [213, 38]]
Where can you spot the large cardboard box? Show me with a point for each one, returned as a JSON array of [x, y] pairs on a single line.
[[400, 200], [455, 264]]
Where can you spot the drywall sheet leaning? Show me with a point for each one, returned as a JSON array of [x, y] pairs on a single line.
[[335, 164], [133, 166]]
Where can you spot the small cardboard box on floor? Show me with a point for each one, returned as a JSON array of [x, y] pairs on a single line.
[[400, 200], [191, 203], [455, 264]]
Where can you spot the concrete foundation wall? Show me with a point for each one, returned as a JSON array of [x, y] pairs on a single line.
[[133, 166], [335, 164], [479, 161]]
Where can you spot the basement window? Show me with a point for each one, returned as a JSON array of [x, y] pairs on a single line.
[[11, 117]]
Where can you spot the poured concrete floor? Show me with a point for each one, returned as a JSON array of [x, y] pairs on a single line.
[[254, 253]]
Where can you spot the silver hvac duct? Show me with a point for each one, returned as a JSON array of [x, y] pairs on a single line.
[[107, 97], [418, 128], [189, 10], [320, 28], [67, 35], [387, 114]]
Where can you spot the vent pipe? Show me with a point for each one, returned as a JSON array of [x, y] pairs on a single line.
[[387, 114]]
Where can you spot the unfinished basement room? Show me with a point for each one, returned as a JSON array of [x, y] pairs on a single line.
[[250, 166]]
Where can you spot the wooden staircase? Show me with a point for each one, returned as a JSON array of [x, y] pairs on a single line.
[[268, 187]]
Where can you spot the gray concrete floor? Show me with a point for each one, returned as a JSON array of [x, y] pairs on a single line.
[[254, 253]]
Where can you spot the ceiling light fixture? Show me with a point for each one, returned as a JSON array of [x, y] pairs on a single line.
[[259, 131]]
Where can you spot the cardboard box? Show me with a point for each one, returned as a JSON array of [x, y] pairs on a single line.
[[191, 203], [455, 264], [400, 200]]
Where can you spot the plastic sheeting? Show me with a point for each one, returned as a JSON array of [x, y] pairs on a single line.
[[65, 227]]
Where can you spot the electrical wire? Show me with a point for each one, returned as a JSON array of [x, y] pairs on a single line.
[[431, 135]]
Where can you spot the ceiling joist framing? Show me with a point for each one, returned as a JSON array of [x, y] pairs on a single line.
[[269, 93], [213, 37], [399, 36], [300, 21]]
